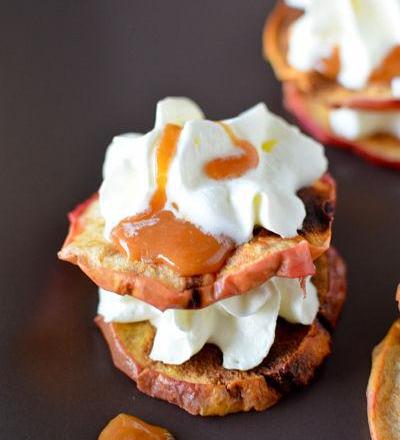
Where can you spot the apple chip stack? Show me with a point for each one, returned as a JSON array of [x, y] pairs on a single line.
[[325, 108]]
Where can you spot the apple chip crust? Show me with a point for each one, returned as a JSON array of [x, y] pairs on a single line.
[[202, 386], [377, 95], [250, 265], [383, 392], [313, 115], [275, 46]]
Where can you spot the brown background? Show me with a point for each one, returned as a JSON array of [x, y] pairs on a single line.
[[72, 75]]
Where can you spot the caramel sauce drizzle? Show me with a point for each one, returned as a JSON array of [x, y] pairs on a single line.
[[331, 65], [389, 68], [165, 153], [125, 427], [157, 236], [236, 165]]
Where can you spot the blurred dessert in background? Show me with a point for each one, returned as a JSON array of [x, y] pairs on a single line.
[[339, 63]]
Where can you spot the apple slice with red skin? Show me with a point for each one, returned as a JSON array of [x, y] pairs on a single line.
[[202, 386], [379, 149], [375, 96], [250, 265], [383, 392], [373, 104]]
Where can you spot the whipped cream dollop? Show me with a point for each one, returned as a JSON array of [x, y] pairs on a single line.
[[264, 195], [354, 124], [243, 327], [299, 4], [364, 31], [395, 86]]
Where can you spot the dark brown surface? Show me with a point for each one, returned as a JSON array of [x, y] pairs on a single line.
[[75, 73]]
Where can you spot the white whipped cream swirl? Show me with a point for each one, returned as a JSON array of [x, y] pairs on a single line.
[[364, 31], [265, 195], [243, 327], [354, 124]]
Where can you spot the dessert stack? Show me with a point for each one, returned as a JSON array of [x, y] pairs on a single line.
[[210, 244], [339, 63]]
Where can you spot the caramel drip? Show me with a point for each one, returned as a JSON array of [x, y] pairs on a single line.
[[125, 427], [234, 166], [165, 153], [157, 236], [389, 68], [331, 65]]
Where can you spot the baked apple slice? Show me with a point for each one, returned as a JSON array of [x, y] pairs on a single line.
[[381, 149], [250, 265], [202, 386], [383, 393]]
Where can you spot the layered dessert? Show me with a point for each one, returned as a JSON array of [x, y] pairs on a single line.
[[210, 244], [339, 62]]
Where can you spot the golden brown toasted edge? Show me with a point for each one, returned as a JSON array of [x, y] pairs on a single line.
[[250, 265], [313, 116], [376, 95], [202, 386], [331, 283], [275, 45], [383, 392]]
